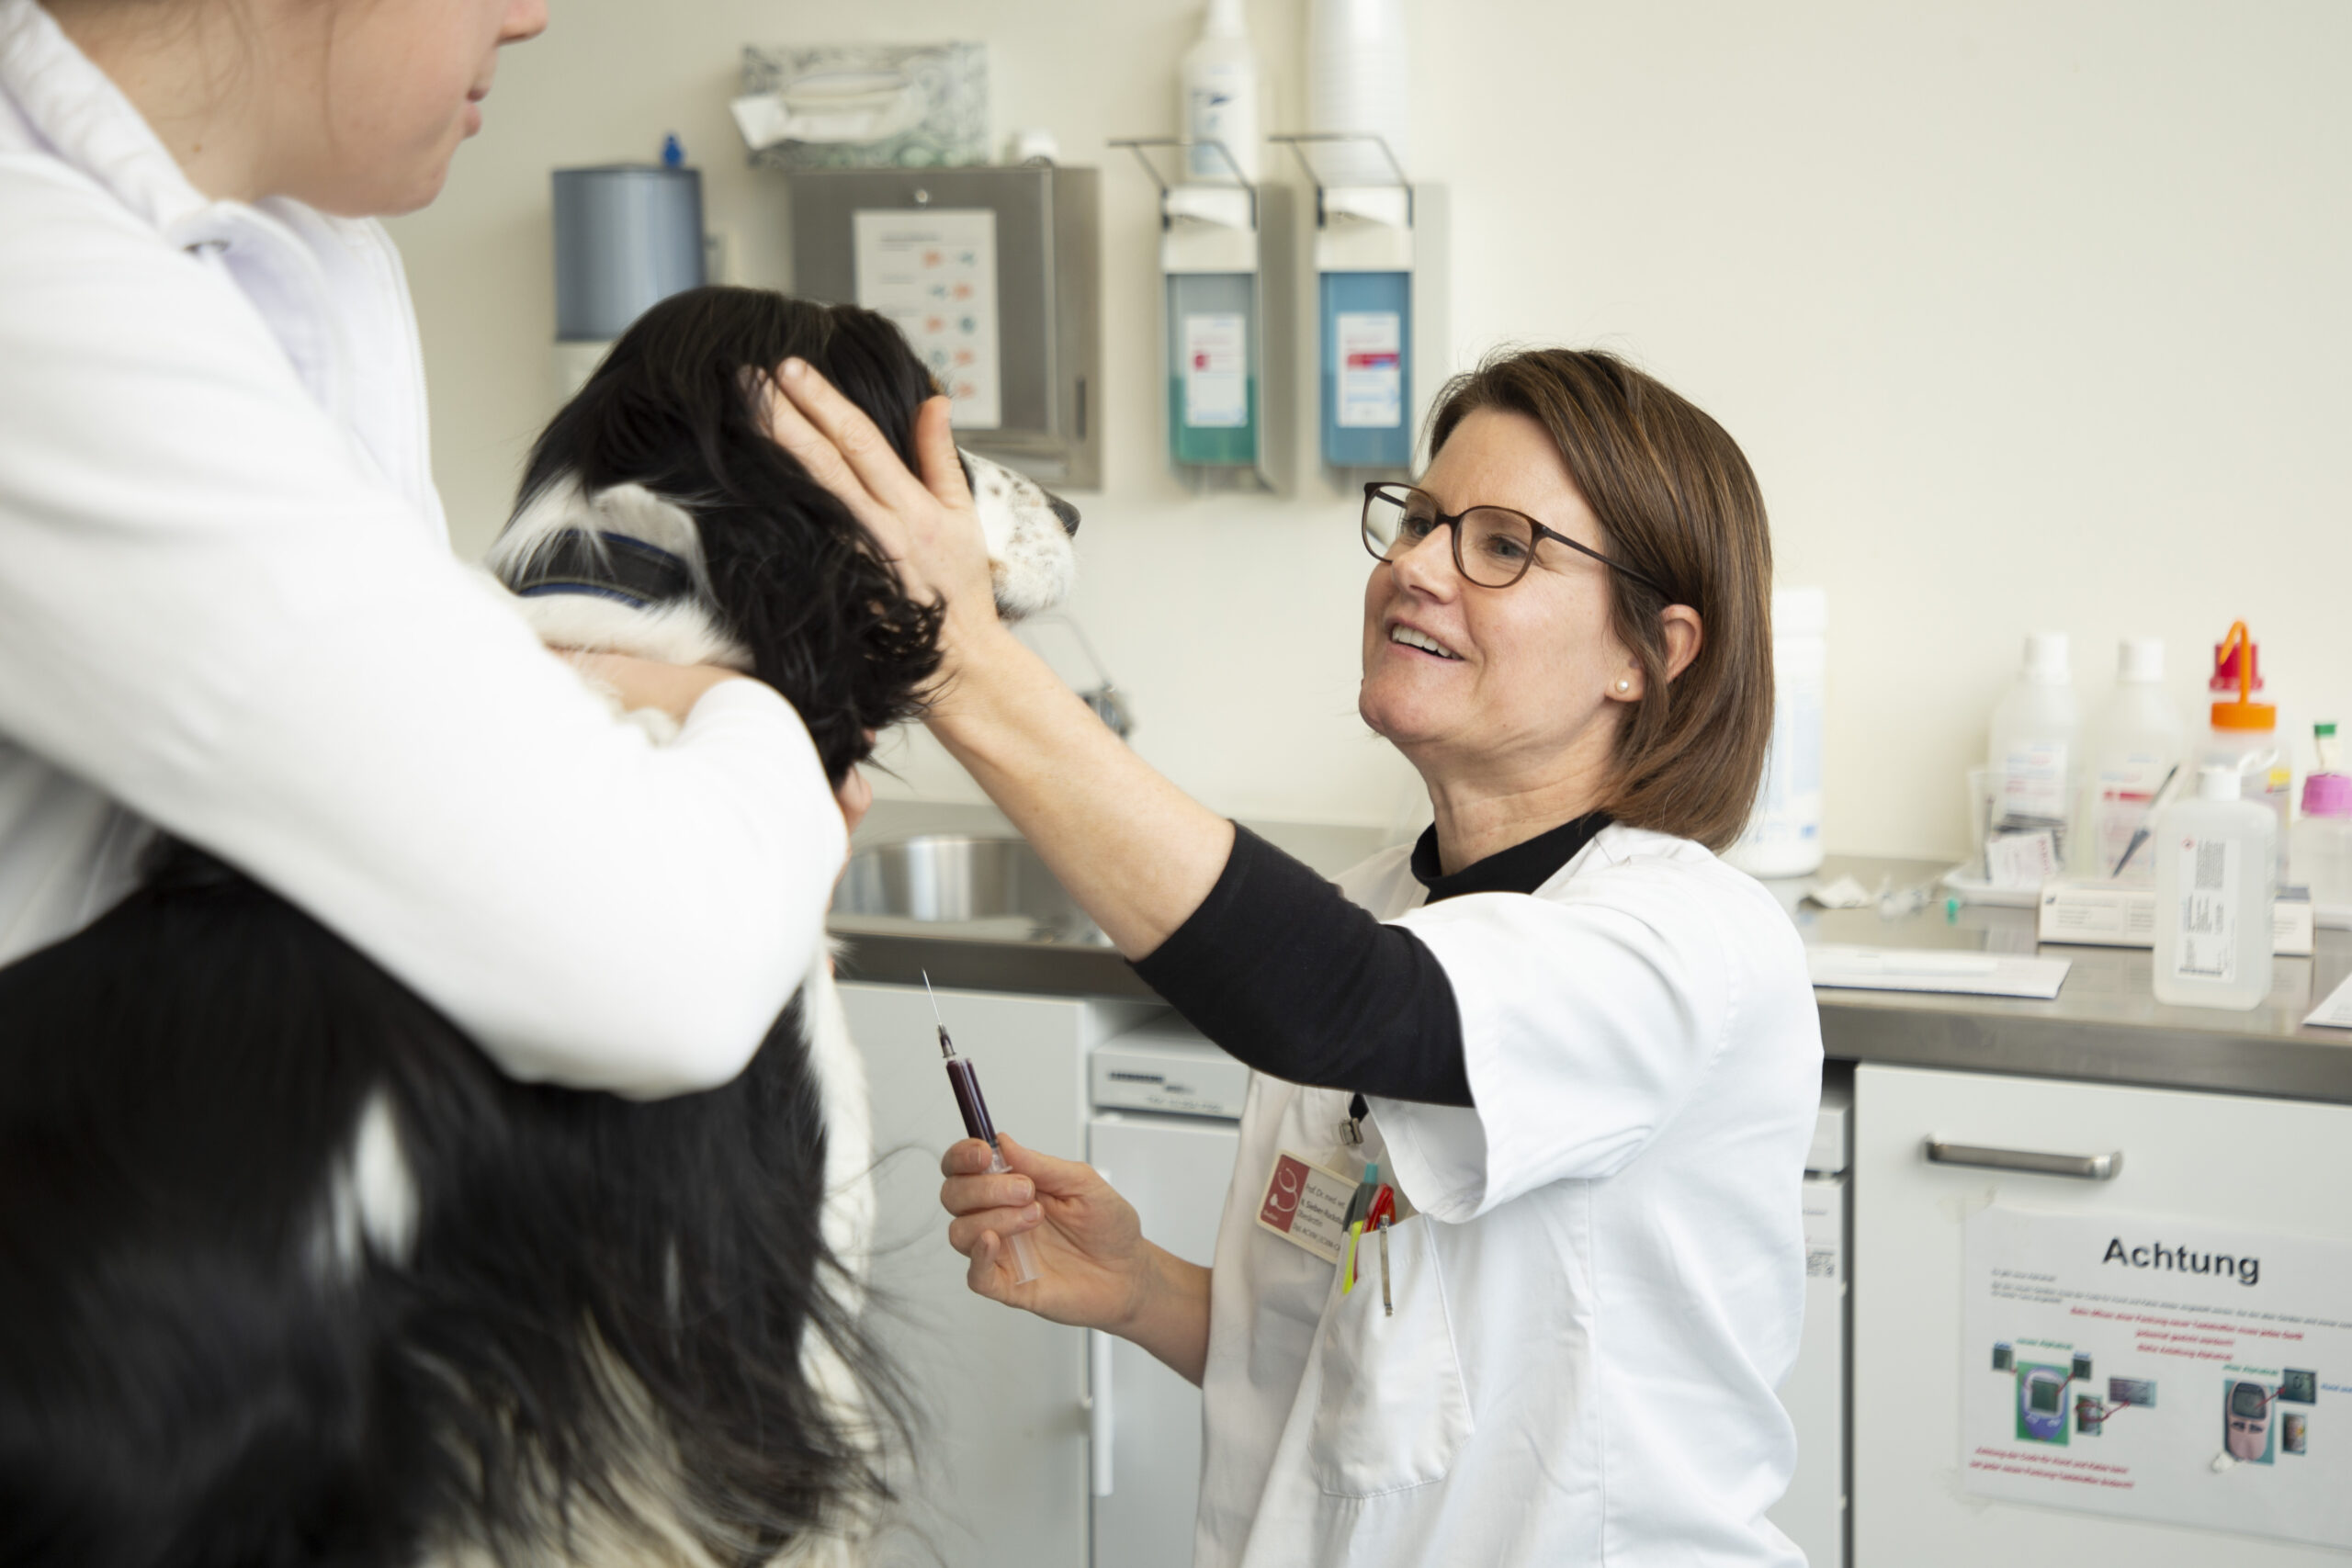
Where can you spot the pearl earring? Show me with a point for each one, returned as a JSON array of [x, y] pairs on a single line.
[[1625, 685]]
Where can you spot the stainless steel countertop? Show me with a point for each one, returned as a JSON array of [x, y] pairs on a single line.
[[2105, 1025]]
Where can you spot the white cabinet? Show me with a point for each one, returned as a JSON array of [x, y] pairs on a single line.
[[2274, 1165], [1147, 1461], [1002, 1466]]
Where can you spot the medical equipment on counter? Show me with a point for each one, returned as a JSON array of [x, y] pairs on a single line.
[[1784, 833], [2244, 736], [966, 1082], [2215, 859], [2033, 769], [627, 237], [1216, 96], [2322, 861], [2133, 746]]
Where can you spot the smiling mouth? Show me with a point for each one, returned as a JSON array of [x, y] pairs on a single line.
[[1421, 640]]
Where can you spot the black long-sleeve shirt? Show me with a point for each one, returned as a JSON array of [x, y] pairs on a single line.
[[1280, 969]]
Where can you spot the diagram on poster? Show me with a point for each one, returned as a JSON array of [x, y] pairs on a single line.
[[2163, 1369], [932, 272]]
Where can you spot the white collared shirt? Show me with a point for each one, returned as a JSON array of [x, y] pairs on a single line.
[[1604, 1281], [228, 608]]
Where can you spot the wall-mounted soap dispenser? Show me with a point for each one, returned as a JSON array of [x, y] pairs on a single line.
[[1367, 261], [1220, 242]]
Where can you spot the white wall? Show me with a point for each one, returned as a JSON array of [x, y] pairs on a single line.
[[2028, 314]]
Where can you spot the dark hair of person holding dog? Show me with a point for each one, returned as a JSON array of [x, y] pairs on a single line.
[[228, 608], [1581, 1051]]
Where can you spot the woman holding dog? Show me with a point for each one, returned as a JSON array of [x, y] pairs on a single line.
[[228, 608], [1580, 1053]]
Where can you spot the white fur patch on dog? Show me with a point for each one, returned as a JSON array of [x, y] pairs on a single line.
[[371, 1198], [1029, 550], [684, 631], [838, 1068]]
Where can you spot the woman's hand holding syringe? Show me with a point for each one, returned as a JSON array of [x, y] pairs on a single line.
[[1095, 1269]]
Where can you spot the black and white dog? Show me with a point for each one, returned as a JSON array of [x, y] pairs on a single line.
[[290, 1274]]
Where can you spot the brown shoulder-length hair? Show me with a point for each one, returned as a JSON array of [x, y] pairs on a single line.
[[1679, 504]]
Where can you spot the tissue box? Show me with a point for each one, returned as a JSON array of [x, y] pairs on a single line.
[[864, 105]]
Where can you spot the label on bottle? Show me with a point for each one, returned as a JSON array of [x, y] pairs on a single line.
[[1371, 349], [2208, 948], [1219, 110], [2127, 788], [1217, 371], [2033, 783]]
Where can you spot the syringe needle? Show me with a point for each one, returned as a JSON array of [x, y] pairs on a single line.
[[946, 1046]]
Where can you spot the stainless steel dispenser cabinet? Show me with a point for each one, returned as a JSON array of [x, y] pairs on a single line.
[[995, 276]]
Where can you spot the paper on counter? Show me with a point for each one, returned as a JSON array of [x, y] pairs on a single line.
[[1910, 969], [1843, 894], [2336, 1011]]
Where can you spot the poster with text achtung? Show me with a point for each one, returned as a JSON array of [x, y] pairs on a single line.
[[2179, 1371]]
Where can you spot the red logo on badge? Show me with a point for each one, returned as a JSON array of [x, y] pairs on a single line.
[[1282, 1193]]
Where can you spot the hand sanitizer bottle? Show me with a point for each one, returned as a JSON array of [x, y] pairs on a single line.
[[2134, 744], [2214, 860], [1217, 97], [2035, 753]]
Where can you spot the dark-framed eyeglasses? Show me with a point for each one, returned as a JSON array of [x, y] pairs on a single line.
[[1493, 545]]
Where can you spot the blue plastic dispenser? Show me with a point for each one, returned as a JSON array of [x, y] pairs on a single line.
[[1363, 267]]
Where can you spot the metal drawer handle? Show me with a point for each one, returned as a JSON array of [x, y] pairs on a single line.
[[2082, 1168]]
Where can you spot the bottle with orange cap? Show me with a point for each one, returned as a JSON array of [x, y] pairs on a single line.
[[2244, 734]]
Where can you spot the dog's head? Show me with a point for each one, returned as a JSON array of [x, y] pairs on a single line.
[[657, 517]]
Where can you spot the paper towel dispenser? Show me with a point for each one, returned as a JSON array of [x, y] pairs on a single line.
[[995, 276]]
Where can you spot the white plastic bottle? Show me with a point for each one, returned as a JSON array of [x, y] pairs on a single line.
[[2214, 888], [2131, 746], [1359, 81], [1218, 95], [2036, 746], [2244, 734], [1784, 833]]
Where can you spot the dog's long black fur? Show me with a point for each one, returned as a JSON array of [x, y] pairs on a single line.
[[189, 1375], [676, 408]]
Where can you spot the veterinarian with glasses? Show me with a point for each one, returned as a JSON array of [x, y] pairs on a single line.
[[228, 608], [1580, 1053]]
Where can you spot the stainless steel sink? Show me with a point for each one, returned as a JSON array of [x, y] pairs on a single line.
[[996, 883]]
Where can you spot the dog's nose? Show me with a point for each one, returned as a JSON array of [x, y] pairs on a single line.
[[1065, 510]]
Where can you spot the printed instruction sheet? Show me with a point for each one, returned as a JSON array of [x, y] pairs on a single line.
[[933, 274], [2173, 1370]]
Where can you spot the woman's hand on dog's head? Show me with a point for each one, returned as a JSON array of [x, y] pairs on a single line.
[[926, 525]]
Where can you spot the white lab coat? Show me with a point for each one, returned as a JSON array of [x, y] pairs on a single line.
[[1605, 1280], [228, 608]]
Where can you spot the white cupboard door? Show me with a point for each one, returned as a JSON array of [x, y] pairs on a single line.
[[1001, 1459], [1175, 1170], [2273, 1165]]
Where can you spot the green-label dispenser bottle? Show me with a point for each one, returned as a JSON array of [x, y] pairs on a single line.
[[1211, 260], [1208, 249]]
